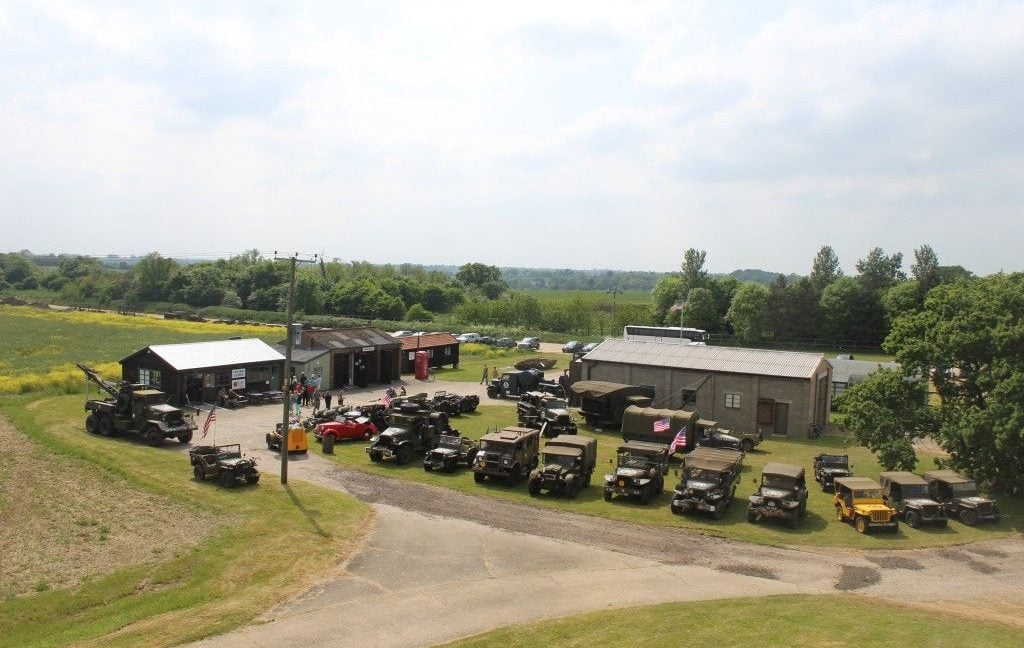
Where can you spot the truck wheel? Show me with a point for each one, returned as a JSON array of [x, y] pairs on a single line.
[[252, 478], [270, 442], [227, 479], [862, 524], [572, 489], [942, 523], [106, 426], [607, 495], [479, 477], [793, 517], [514, 476], [534, 487], [470, 458], [968, 516], [91, 426], [426, 467], [645, 496], [912, 517], [152, 436], [803, 508], [185, 437], [839, 514], [404, 455], [747, 445], [492, 392], [751, 515], [375, 457], [198, 473], [719, 512]]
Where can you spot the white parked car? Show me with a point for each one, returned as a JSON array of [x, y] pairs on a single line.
[[401, 334], [468, 337]]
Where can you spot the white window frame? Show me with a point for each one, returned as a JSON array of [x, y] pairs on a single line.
[[733, 400]]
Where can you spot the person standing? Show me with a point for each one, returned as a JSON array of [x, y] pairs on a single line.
[[327, 399], [483, 379], [316, 400]]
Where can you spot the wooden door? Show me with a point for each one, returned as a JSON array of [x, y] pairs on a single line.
[[781, 418]]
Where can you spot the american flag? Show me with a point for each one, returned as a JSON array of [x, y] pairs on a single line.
[[676, 308], [210, 418], [661, 425], [679, 443]]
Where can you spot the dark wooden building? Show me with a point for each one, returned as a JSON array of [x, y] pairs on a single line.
[[195, 371], [442, 349], [345, 357]]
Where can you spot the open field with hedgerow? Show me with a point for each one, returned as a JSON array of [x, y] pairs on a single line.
[[818, 528], [811, 621], [110, 541]]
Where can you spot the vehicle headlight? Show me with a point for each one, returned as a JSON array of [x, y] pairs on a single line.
[[715, 495], [756, 500], [506, 460], [791, 505], [609, 478]]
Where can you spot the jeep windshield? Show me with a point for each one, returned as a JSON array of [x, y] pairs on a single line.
[[965, 489], [448, 441], [915, 490], [703, 476], [781, 482], [628, 460], [835, 461], [867, 494], [555, 403], [497, 446], [562, 460]]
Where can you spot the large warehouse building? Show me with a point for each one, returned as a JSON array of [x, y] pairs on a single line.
[[779, 392]]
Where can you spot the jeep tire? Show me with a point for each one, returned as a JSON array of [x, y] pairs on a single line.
[[862, 524], [375, 456], [747, 445], [227, 479], [404, 455], [607, 495], [91, 424], [968, 516], [252, 478], [645, 496], [185, 437], [572, 489], [751, 515], [534, 487], [479, 477], [106, 426], [912, 517], [792, 519], [198, 473]]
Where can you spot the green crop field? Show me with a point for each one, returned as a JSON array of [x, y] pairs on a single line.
[[591, 296], [818, 528]]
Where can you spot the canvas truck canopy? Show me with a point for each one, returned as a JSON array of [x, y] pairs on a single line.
[[947, 476], [574, 444], [727, 455], [902, 478], [857, 483], [563, 451], [638, 424], [643, 448], [595, 388], [714, 463], [788, 470]]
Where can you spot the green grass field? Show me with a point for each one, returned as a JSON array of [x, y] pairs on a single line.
[[813, 621], [819, 528], [243, 568], [473, 357]]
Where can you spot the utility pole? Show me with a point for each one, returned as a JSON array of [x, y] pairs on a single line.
[[615, 311], [285, 426]]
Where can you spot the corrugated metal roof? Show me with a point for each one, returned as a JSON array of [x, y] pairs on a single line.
[[427, 341], [844, 370], [301, 355], [348, 338], [199, 355], [760, 362]]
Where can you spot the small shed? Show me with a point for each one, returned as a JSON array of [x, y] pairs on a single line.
[[442, 349], [344, 357], [195, 371]]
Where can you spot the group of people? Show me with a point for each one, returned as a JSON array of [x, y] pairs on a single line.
[[494, 374], [307, 392]]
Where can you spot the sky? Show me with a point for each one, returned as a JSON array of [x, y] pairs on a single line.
[[548, 134]]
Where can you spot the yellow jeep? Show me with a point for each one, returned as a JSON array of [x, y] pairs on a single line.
[[859, 500]]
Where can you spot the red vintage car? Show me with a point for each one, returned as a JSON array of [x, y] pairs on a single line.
[[348, 428]]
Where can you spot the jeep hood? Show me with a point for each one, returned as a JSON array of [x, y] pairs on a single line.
[[633, 473], [700, 485], [236, 461], [775, 493], [920, 501], [834, 470], [974, 500], [163, 408], [444, 451]]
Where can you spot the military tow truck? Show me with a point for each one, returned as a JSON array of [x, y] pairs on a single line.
[[567, 468], [708, 483], [640, 471], [413, 429], [136, 409]]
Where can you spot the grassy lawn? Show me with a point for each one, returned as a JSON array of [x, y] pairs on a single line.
[[473, 357], [834, 620], [818, 528], [266, 544]]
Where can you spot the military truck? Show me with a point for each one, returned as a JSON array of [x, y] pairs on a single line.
[[567, 466], [959, 495], [639, 472], [859, 500], [829, 466], [648, 424], [513, 384], [508, 454], [908, 494], [452, 449], [413, 429], [453, 404], [547, 413], [604, 403], [782, 494], [708, 484], [136, 409], [225, 463]]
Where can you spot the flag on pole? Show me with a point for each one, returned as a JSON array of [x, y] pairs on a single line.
[[661, 425], [679, 443], [210, 418], [387, 399], [676, 308]]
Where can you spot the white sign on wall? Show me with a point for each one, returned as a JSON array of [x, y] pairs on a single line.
[[238, 383], [238, 373]]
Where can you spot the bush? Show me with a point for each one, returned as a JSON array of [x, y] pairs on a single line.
[[417, 313]]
